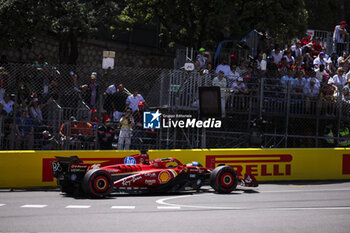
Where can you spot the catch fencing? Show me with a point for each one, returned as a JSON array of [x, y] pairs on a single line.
[[270, 115]]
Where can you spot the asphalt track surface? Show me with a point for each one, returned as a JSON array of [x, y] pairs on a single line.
[[302, 207]]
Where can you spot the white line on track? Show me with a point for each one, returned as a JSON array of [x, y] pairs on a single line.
[[168, 207], [33, 206], [165, 204], [2, 205], [123, 207], [304, 190], [78, 206]]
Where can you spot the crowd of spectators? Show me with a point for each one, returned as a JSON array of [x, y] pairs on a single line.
[[301, 68]]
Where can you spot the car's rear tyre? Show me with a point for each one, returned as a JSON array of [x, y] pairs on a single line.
[[97, 183], [223, 179], [66, 187]]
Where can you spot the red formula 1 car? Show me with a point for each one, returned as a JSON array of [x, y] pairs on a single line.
[[136, 174]]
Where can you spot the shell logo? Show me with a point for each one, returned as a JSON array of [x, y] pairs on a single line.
[[164, 177]]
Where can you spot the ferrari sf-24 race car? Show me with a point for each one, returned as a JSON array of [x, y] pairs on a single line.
[[136, 174]]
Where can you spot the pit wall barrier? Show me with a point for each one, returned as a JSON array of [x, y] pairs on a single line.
[[31, 169]]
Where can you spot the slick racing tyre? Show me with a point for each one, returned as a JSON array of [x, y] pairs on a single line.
[[97, 183], [223, 179]]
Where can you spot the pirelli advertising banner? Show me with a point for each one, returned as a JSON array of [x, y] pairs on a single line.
[[24, 169]]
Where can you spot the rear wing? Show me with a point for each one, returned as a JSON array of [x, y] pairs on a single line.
[[71, 159]]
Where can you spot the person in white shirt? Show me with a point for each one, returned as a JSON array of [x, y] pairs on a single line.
[[220, 80], [223, 67], [339, 36], [112, 89], [239, 87], [276, 53], [320, 60], [133, 100], [338, 79], [232, 76], [7, 104], [320, 72]]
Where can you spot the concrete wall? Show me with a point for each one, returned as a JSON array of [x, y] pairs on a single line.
[[90, 54]]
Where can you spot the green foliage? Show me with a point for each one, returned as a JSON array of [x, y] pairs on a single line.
[[206, 22]]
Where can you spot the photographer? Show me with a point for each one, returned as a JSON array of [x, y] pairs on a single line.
[[127, 123]]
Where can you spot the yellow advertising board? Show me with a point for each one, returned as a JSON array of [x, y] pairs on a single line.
[[23, 169]]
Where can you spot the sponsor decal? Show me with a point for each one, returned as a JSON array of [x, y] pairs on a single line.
[[257, 165], [163, 177], [127, 181], [346, 165], [152, 174], [56, 166], [150, 182], [129, 161]]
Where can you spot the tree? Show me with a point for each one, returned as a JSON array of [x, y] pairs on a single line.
[[206, 22], [22, 22]]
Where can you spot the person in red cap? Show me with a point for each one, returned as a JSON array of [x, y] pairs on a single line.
[[105, 134], [339, 37]]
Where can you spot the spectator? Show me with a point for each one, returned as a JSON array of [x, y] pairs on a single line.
[[298, 84], [41, 77], [106, 134], [24, 132], [332, 64], [317, 47], [203, 61], [311, 92], [23, 93], [220, 80], [329, 133], [223, 67], [7, 104], [4, 78], [283, 66], [339, 37], [232, 76], [72, 93], [108, 104], [35, 110], [68, 133], [297, 52], [127, 123], [93, 116], [277, 54], [119, 103], [338, 79], [54, 91], [320, 60], [320, 72], [289, 57], [85, 132], [239, 87], [243, 68], [344, 58], [287, 79], [347, 75], [89, 92], [133, 100], [344, 133], [306, 40]]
